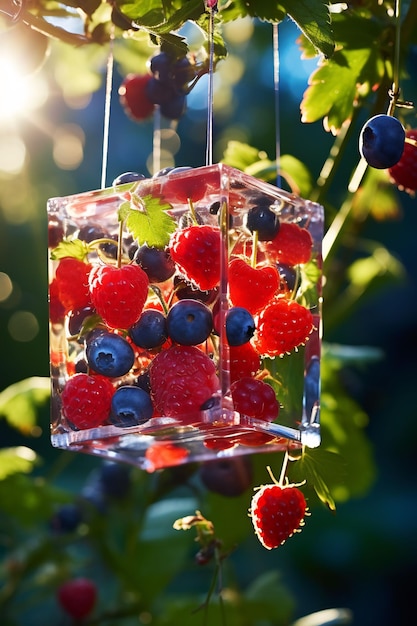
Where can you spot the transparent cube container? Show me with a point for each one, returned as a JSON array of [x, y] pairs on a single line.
[[107, 227]]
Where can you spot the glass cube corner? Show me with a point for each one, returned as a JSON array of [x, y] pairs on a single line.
[[208, 345]]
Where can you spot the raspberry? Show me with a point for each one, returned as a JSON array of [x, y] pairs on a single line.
[[404, 173], [86, 400], [291, 246], [119, 293], [282, 326], [72, 283], [78, 597], [133, 96], [196, 253], [277, 512], [254, 398], [244, 361], [252, 288], [182, 379]]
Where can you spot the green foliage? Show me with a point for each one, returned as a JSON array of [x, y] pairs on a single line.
[[19, 403], [147, 220]]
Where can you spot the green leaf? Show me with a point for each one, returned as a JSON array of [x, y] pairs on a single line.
[[377, 197], [316, 466], [268, 599], [26, 500], [148, 221], [74, 248], [313, 19], [19, 403], [241, 155], [18, 459]]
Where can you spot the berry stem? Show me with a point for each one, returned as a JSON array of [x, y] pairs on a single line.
[[255, 239]]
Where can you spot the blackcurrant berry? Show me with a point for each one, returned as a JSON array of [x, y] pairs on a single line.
[[263, 220], [156, 262], [227, 477]]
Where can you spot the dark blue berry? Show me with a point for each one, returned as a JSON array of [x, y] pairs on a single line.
[[381, 141], [150, 331], [67, 518], [263, 220], [143, 381], [288, 276], [189, 322], [115, 479], [127, 177], [155, 262], [240, 326], [175, 107], [186, 291], [130, 406], [160, 92], [109, 354], [227, 477], [78, 318]]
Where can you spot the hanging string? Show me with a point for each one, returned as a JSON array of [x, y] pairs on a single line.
[[157, 140], [107, 103], [276, 103], [212, 5]]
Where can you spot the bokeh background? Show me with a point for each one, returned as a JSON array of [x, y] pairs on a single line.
[[363, 556]]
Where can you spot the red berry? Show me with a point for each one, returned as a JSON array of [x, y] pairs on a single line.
[[133, 97], [119, 293], [161, 455], [252, 288], [255, 398], [282, 326], [196, 253], [188, 186], [244, 361], [56, 308], [291, 246], [404, 173], [78, 597], [72, 283], [277, 513], [86, 400], [182, 379]]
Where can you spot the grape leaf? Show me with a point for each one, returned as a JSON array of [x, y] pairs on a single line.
[[148, 221]]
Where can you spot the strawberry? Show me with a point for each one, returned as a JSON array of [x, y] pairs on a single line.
[[252, 288], [196, 253], [404, 173], [254, 398], [282, 326], [277, 512], [118, 293], [182, 379], [86, 400], [180, 187], [133, 96], [291, 246], [78, 597], [72, 283]]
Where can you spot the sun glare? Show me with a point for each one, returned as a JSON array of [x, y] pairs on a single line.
[[20, 94]]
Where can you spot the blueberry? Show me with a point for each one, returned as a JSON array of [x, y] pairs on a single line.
[[159, 92], [263, 220], [175, 107], [381, 141], [130, 406], [143, 381], [287, 275], [78, 318], [155, 262], [67, 518], [109, 354], [185, 291], [115, 479], [189, 322], [127, 177], [240, 326], [150, 331], [227, 477]]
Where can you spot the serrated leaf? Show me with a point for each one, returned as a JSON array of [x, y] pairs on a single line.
[[313, 19], [17, 459], [241, 155], [158, 19], [315, 466], [19, 403], [74, 248], [148, 221]]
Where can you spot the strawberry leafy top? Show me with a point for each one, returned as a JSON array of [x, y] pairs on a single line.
[[147, 220]]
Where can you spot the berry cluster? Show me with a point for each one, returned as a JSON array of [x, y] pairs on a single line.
[[166, 84], [146, 328]]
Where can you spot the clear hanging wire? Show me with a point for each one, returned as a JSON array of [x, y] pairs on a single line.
[[277, 102], [107, 107], [210, 89]]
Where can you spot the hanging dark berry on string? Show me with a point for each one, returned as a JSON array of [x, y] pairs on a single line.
[[277, 510]]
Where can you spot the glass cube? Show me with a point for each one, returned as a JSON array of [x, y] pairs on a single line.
[[215, 350]]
